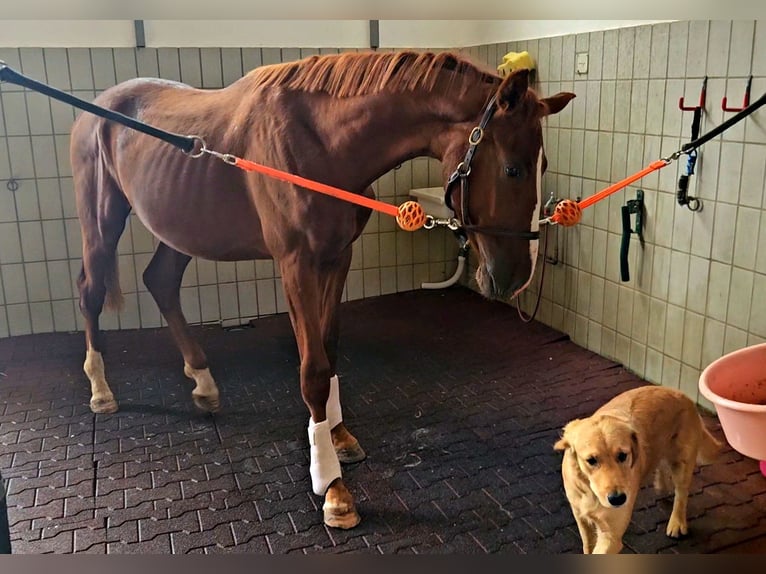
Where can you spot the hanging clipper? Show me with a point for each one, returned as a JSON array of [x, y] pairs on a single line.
[[682, 195], [634, 206]]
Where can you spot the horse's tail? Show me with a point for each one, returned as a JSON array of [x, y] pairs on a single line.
[[102, 209]]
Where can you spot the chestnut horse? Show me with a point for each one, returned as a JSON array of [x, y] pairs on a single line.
[[344, 120]]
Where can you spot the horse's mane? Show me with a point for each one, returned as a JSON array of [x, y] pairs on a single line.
[[360, 73]]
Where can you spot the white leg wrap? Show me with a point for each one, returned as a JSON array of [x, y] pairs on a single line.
[[334, 414], [324, 461]]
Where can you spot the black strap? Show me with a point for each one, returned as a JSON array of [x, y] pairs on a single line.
[[184, 143]]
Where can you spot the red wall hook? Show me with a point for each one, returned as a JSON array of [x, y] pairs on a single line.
[[746, 101], [701, 104]]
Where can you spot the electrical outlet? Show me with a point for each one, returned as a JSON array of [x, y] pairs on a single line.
[[582, 63]]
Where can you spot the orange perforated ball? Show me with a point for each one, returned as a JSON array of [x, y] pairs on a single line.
[[567, 213], [411, 216]]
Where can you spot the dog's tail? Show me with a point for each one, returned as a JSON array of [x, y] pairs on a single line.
[[709, 448]]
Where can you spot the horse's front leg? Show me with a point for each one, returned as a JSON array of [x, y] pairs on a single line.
[[346, 446], [304, 289]]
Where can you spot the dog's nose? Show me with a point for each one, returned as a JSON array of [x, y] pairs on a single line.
[[616, 498]]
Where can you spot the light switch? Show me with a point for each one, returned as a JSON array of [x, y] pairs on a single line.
[[582, 63]]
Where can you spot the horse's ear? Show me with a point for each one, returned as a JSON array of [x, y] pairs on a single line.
[[513, 89], [554, 104]]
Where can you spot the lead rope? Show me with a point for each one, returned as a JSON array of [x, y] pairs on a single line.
[[530, 318]]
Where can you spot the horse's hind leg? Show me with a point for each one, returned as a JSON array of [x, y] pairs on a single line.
[[163, 278], [346, 445], [102, 210]]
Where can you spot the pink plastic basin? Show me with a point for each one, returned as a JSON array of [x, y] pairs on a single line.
[[736, 385]]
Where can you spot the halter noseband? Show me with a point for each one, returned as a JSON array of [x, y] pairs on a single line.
[[463, 170]]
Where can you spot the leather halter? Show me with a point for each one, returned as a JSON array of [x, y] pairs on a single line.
[[463, 170]]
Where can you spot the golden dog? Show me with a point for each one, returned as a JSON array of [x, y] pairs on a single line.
[[609, 455]]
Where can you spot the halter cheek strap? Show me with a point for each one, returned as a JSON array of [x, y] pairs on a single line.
[[463, 170]]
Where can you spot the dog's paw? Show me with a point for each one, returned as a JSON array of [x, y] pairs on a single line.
[[676, 528]]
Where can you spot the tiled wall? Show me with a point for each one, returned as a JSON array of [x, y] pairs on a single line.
[[40, 246], [697, 287]]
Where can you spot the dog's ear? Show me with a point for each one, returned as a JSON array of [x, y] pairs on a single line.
[[563, 443], [633, 448]]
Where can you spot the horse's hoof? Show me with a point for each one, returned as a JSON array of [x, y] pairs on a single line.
[[208, 404], [103, 406], [342, 516], [353, 453]]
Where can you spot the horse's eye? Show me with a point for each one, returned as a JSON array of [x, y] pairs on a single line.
[[512, 171], [622, 456], [592, 460]]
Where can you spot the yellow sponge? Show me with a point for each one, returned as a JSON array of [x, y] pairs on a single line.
[[516, 61]]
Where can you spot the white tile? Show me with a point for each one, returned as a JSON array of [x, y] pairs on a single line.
[[268, 296], [658, 64], [32, 245], [718, 48], [718, 290], [622, 106], [661, 272], [653, 369], [734, 339], [753, 167], [760, 260], [637, 360], [689, 382], [642, 52], [264, 269], [10, 244], [226, 271], [610, 54], [740, 298], [678, 41], [63, 315], [625, 53], [49, 196], [759, 49], [27, 206], [712, 342], [638, 105], [37, 281], [702, 231], [683, 221], [671, 372], [625, 311], [190, 303], [54, 237], [405, 279], [150, 314], [729, 172], [14, 283], [130, 315], [704, 183], [598, 265], [227, 295], [371, 279], [758, 311], [654, 114], [42, 317], [590, 154], [741, 51], [209, 305], [371, 249], [355, 285], [747, 227], [696, 52], [19, 321], [248, 299], [206, 272], [724, 231], [692, 339], [622, 349], [640, 327], [245, 270], [699, 276], [604, 160], [674, 331], [592, 105]]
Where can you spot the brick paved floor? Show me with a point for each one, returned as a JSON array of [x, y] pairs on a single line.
[[456, 401]]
